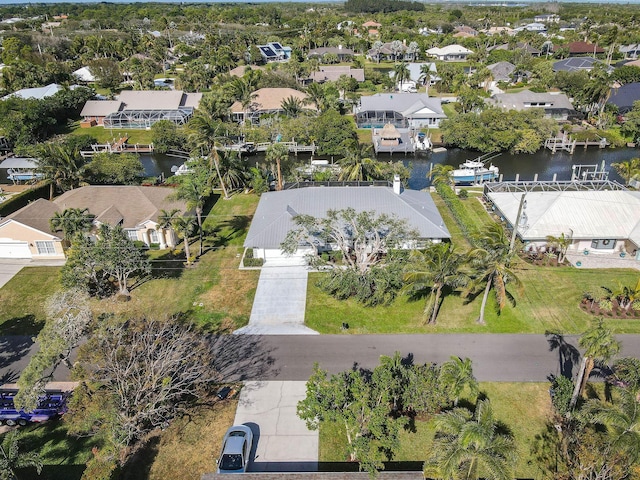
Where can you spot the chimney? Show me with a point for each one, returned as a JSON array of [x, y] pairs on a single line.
[[397, 185]]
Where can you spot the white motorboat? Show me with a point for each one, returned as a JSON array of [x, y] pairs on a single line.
[[476, 171]]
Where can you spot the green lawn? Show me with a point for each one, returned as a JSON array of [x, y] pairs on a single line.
[[104, 135], [550, 301], [522, 407], [213, 293], [22, 300]]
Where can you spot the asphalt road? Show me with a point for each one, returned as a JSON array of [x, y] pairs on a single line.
[[496, 357]]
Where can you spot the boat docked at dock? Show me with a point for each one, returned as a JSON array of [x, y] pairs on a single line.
[[476, 171]]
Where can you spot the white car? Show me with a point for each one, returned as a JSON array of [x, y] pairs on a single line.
[[236, 449]]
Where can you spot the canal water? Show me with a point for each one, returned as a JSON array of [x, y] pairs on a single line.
[[544, 163]]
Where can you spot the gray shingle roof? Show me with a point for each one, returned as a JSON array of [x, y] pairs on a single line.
[[274, 216], [573, 64], [36, 215], [517, 101], [405, 103]]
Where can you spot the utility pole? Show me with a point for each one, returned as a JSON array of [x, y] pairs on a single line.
[[521, 207]]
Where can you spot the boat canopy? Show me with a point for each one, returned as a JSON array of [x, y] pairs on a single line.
[[19, 162]]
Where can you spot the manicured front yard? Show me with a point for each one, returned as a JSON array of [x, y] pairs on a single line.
[[523, 407], [550, 301], [105, 135]]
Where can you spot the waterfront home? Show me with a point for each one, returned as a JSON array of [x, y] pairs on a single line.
[[555, 105], [274, 217], [624, 97], [267, 101], [450, 53], [403, 110]]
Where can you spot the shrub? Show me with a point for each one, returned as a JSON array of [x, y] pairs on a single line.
[[248, 253], [458, 210], [463, 195], [635, 306], [606, 305], [253, 262], [561, 390]]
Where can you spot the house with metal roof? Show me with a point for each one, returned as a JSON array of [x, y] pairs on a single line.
[[598, 217], [84, 75], [141, 109], [274, 217], [450, 53], [574, 64], [267, 101], [402, 110], [37, 93], [556, 105], [26, 233], [624, 96]]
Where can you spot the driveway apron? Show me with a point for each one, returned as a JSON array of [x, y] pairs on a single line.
[[282, 442], [279, 303]]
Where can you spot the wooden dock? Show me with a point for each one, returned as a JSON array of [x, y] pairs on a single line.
[[567, 144], [293, 147], [117, 146], [404, 144]]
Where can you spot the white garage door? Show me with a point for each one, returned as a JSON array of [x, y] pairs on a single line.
[[14, 250]]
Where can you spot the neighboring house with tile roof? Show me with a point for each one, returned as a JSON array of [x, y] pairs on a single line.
[[556, 105], [274, 217], [580, 48], [266, 101], [26, 233], [402, 110], [141, 108]]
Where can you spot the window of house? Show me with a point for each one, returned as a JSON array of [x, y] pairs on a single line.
[[45, 248], [132, 235], [605, 244], [153, 236]]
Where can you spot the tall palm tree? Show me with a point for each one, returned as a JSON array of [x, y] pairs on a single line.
[[491, 262], [622, 420], [183, 226], [377, 47], [627, 170], [430, 271], [242, 91], [292, 106], [357, 166], [11, 459], [315, 95], [194, 188], [401, 73], [440, 173], [599, 347], [470, 444], [276, 154], [165, 221], [455, 375], [60, 163], [205, 131], [426, 75], [71, 221]]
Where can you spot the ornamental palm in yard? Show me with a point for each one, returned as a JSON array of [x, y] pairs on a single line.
[[491, 262], [430, 271], [456, 374], [468, 445], [12, 459], [71, 221], [628, 169]]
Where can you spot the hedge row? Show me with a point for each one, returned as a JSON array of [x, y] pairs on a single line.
[[20, 200], [466, 223]]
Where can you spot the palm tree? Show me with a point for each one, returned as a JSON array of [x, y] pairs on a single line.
[[183, 226], [456, 374], [491, 262], [292, 106], [356, 167], [599, 347], [165, 221], [467, 445], [377, 47], [194, 188], [11, 459], [71, 221], [315, 95], [242, 91], [627, 170], [440, 174], [431, 270], [413, 49], [60, 163], [401, 73], [621, 419], [276, 154], [396, 48], [426, 75], [562, 243], [205, 131]]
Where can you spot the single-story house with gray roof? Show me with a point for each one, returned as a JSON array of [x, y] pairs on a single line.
[[343, 54], [624, 97], [26, 233], [331, 73], [274, 217], [556, 105], [574, 64], [403, 110]]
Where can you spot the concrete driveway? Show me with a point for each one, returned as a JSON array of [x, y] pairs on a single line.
[[9, 268], [282, 442], [279, 303]]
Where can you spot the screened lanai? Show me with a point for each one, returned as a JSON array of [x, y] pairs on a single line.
[[146, 118]]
